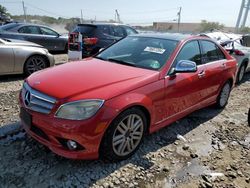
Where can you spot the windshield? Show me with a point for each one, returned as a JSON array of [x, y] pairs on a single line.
[[143, 52]]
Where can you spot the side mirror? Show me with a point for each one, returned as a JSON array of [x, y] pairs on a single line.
[[184, 66]]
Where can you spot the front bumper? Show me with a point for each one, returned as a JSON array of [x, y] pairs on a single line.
[[51, 132]]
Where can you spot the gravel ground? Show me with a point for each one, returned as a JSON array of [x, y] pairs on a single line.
[[209, 148]]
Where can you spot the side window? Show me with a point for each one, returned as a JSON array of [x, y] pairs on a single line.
[[104, 29], [29, 30], [211, 52], [47, 31], [129, 30], [117, 31], [190, 51]]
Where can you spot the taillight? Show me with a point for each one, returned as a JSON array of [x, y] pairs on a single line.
[[90, 41], [238, 52]]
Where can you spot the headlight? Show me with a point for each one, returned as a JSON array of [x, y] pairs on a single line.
[[79, 110]]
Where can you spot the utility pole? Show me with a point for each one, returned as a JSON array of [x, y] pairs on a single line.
[[179, 19], [24, 12], [81, 17], [117, 16], [245, 6], [246, 13]]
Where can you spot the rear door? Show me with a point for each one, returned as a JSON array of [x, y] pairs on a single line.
[[7, 58], [185, 90], [215, 61]]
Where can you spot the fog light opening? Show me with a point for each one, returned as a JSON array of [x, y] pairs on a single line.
[[72, 145]]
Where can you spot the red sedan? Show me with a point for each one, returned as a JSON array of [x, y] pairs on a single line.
[[104, 106]]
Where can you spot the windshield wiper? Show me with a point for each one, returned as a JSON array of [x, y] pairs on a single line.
[[122, 62]]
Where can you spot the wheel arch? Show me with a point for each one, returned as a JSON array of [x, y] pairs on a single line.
[[36, 54]]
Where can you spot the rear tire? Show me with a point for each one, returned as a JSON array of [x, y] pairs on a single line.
[[33, 64], [223, 97], [241, 73], [124, 135]]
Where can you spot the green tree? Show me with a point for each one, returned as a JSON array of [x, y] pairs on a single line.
[[208, 26], [3, 10]]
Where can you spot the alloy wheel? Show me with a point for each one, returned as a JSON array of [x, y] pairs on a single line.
[[127, 135], [34, 64]]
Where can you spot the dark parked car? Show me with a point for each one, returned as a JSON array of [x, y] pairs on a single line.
[[39, 34], [100, 35]]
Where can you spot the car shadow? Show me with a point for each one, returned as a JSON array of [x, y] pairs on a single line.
[[89, 172], [12, 77]]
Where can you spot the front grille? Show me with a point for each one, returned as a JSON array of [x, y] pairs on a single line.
[[37, 101]]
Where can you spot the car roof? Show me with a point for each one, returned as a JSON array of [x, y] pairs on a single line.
[[170, 36], [99, 23], [25, 24]]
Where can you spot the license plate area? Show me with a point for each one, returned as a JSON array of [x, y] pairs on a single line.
[[26, 117]]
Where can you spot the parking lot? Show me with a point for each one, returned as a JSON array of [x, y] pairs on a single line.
[[209, 148]]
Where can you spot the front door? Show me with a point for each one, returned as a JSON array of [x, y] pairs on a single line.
[[185, 90]]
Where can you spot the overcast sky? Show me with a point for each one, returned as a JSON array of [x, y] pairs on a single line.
[[133, 11]]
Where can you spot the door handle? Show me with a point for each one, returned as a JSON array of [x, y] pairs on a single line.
[[201, 74]]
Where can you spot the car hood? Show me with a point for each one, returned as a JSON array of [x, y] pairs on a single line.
[[90, 79], [14, 42]]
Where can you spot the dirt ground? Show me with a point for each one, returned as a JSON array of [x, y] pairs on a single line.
[[209, 148]]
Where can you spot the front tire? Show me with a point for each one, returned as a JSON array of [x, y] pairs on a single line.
[[33, 64], [124, 135], [223, 97]]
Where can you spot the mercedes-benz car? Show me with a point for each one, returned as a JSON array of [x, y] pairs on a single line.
[[104, 106], [17, 57]]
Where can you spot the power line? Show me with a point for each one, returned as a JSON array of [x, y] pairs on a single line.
[[10, 2], [152, 11], [43, 10]]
